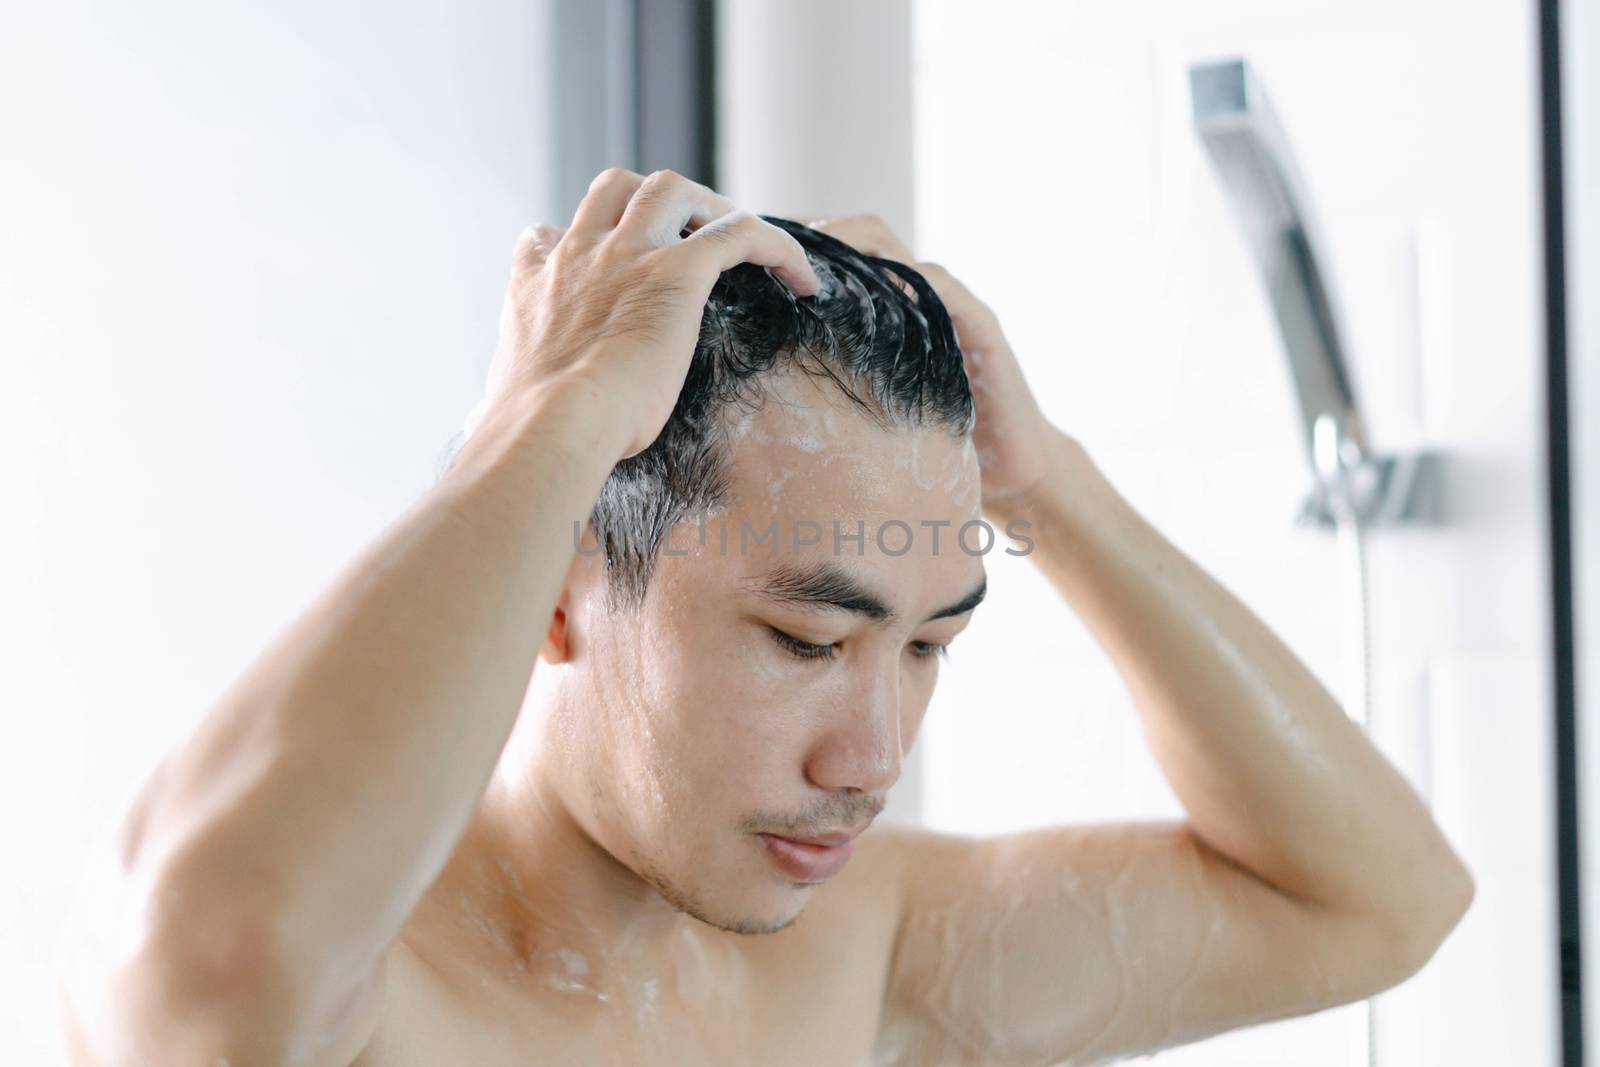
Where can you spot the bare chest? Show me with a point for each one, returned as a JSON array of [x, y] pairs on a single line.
[[813, 1001]]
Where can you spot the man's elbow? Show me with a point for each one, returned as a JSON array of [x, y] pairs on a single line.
[[1435, 907]]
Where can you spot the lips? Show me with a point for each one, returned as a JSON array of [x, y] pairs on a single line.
[[824, 840], [812, 859]]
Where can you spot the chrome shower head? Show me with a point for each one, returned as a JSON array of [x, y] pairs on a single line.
[[1252, 157]]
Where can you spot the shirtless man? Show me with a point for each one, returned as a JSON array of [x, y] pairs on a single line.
[[394, 843]]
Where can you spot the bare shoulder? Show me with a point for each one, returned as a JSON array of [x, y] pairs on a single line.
[[875, 880], [879, 849], [856, 920], [892, 865], [896, 853]]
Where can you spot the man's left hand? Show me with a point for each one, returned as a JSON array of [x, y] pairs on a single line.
[[1015, 442]]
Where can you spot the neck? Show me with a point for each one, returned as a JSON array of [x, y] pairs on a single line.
[[531, 902]]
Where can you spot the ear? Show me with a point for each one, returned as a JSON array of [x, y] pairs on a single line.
[[559, 638], [557, 647]]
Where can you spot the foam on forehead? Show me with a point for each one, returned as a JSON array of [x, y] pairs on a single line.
[[806, 427]]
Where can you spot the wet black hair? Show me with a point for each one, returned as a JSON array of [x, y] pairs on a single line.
[[890, 351]]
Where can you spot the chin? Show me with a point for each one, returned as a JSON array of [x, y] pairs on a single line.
[[766, 911], [769, 923]]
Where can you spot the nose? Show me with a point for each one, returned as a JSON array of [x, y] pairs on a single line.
[[861, 748]]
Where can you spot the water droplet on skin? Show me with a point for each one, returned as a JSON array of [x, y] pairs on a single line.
[[576, 965]]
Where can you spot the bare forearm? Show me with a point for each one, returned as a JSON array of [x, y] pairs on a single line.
[[1271, 770], [331, 781]]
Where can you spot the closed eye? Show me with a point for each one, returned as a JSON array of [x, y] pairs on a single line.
[[801, 649], [808, 650]]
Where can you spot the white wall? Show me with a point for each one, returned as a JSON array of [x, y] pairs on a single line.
[[1058, 174], [251, 257], [790, 142]]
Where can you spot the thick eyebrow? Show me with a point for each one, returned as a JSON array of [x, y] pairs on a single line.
[[827, 585], [965, 604]]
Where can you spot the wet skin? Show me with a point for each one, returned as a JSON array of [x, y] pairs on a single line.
[[612, 901]]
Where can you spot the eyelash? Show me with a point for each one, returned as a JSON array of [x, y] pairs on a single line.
[[806, 650]]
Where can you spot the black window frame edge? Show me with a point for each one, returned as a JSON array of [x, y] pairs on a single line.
[[1559, 466]]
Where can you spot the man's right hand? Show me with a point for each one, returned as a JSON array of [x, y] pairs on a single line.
[[614, 302]]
